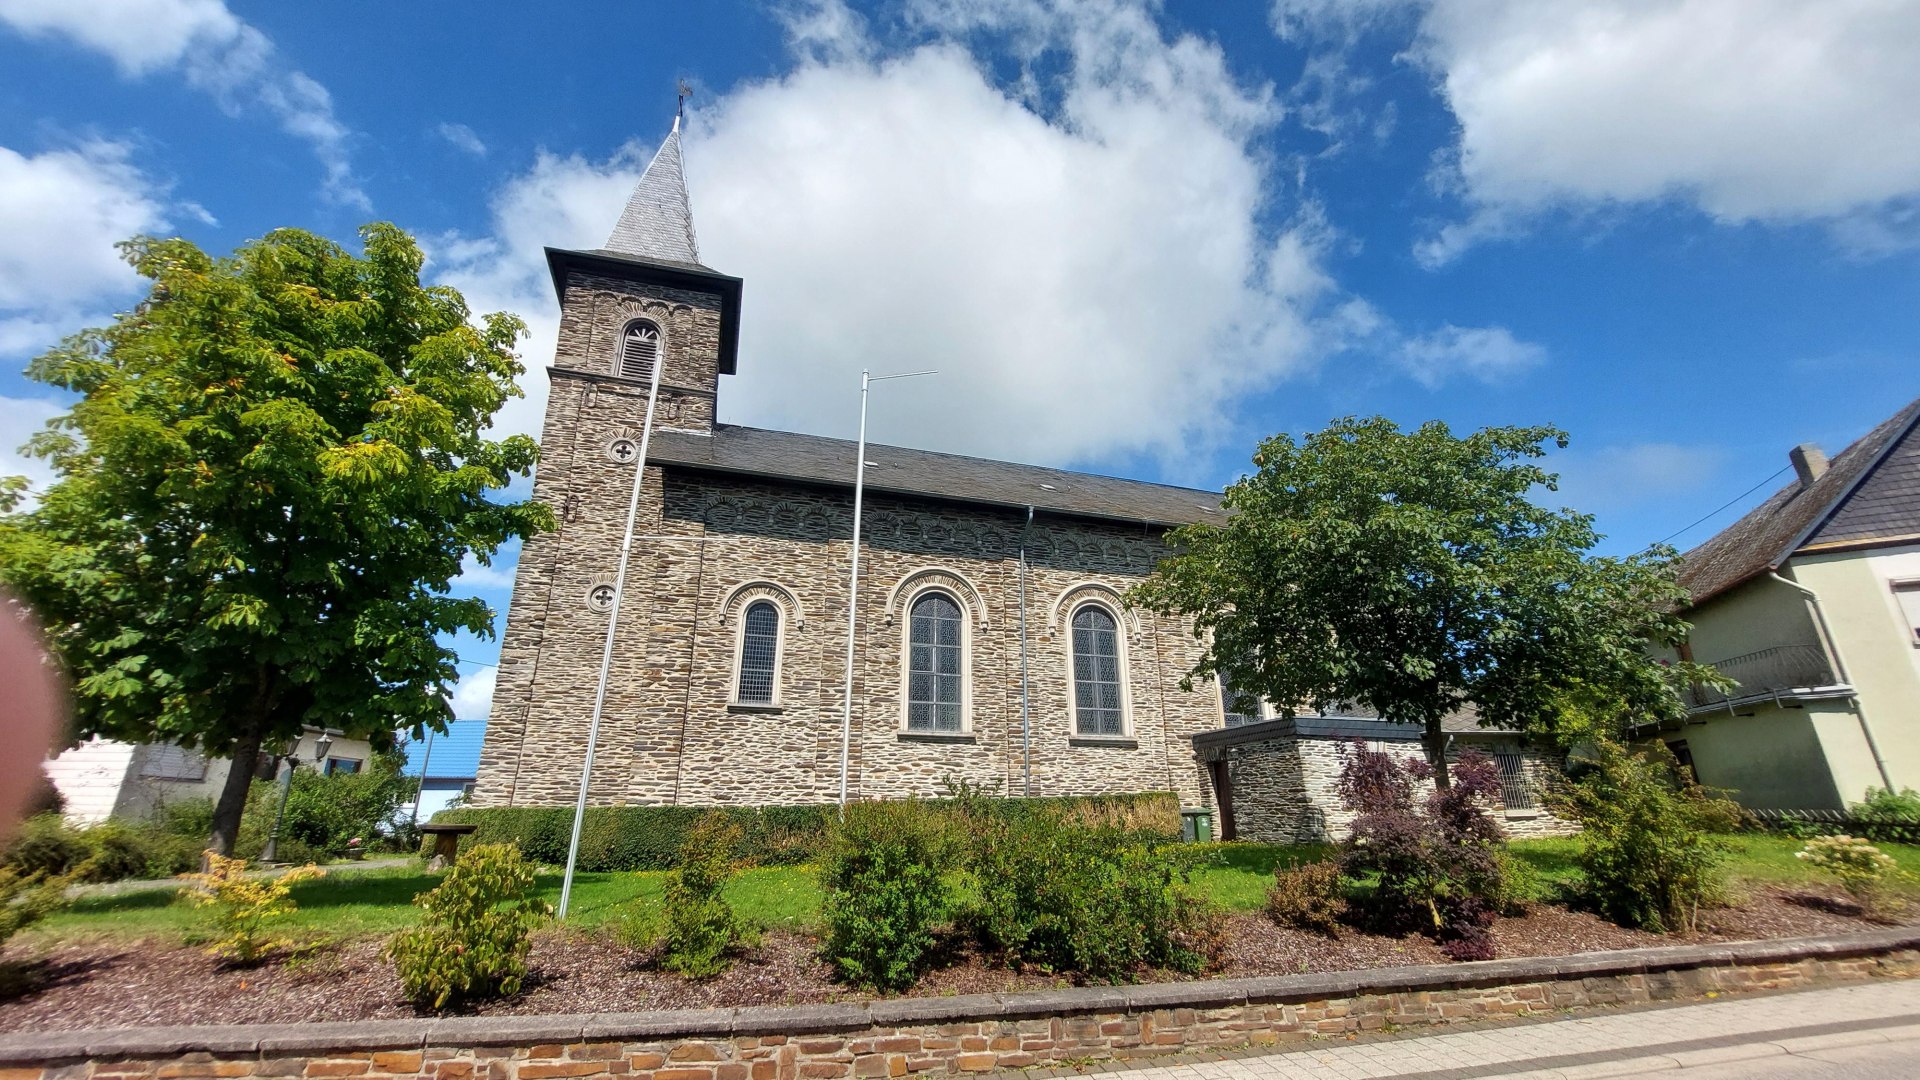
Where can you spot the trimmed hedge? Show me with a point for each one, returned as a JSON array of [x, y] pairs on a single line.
[[650, 837]]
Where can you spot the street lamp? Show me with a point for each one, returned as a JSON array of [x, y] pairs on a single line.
[[285, 754], [853, 585]]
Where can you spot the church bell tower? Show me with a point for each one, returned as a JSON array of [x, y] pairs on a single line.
[[643, 299]]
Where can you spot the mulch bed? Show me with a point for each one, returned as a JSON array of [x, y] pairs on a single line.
[[115, 982]]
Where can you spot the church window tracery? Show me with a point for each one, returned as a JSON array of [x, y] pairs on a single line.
[[1099, 695], [759, 654], [936, 659]]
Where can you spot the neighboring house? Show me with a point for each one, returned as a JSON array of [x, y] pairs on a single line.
[[444, 766], [1811, 603], [103, 778], [1277, 777]]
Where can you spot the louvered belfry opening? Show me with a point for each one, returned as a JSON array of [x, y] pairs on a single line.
[[639, 350]]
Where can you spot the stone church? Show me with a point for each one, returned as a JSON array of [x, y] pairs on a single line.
[[992, 642]]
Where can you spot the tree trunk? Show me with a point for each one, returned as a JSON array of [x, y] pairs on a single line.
[[233, 795], [1435, 741]]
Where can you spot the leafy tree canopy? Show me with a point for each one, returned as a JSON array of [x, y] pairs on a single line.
[[276, 464], [1412, 572]]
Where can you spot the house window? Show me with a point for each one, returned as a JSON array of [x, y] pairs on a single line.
[[1908, 594], [639, 350], [759, 653], [1237, 708], [342, 765], [1096, 673], [164, 761], [935, 653], [1514, 790]]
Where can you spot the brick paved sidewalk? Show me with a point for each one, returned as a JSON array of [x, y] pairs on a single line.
[[1590, 1046]]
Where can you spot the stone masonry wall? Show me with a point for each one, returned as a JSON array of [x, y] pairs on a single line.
[[957, 1035], [673, 733], [1285, 789]]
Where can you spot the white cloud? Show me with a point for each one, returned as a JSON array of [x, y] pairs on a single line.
[[462, 138], [216, 51], [1770, 111], [496, 575], [1490, 354], [472, 696], [20, 418], [1090, 280], [61, 213]]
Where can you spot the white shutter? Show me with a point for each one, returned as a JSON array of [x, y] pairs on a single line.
[[165, 761], [639, 349]]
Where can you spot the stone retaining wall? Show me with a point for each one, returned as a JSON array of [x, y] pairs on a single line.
[[943, 1036]]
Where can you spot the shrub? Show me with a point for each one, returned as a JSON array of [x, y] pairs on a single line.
[[473, 941], [46, 846], [1439, 866], [117, 851], [700, 929], [1866, 872], [1312, 896], [1647, 844], [324, 812], [26, 899], [621, 838], [244, 908], [1055, 895], [1882, 804], [882, 872]]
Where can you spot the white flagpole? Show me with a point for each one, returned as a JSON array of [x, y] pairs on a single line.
[[613, 624], [853, 584]]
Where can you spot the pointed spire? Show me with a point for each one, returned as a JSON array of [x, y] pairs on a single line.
[[658, 221]]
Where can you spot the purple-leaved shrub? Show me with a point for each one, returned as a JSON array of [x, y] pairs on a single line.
[[1435, 859]]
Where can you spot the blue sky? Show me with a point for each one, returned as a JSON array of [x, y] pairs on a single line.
[[1134, 237]]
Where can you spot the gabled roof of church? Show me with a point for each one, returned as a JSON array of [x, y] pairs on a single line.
[[896, 470], [1869, 493], [657, 224]]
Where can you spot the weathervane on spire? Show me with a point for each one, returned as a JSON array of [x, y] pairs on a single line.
[[684, 92]]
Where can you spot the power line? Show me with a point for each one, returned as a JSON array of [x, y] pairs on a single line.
[[1709, 514]]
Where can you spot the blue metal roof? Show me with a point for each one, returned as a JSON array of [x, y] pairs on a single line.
[[453, 756]]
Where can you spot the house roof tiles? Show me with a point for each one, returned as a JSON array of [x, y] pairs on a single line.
[[1868, 491]]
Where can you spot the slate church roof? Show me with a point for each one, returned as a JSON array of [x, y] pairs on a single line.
[[657, 224], [896, 470], [1869, 493]]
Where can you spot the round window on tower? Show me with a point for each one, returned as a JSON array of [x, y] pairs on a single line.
[[600, 597], [623, 451]]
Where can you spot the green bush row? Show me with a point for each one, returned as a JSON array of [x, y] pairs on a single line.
[[618, 838]]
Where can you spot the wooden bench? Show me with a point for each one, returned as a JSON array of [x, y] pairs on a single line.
[[446, 843]]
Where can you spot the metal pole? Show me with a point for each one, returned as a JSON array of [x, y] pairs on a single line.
[[271, 853], [853, 591], [1026, 726], [425, 757], [853, 579], [613, 624]]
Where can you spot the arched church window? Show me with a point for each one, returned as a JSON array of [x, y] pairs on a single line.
[[639, 350], [1236, 706], [935, 657], [1097, 708], [759, 654]]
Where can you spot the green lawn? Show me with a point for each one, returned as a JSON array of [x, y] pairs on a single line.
[[352, 904]]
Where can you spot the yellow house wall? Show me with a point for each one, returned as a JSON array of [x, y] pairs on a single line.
[[1759, 615], [1875, 644]]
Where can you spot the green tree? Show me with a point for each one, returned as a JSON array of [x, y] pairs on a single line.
[[1412, 572], [276, 464]]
